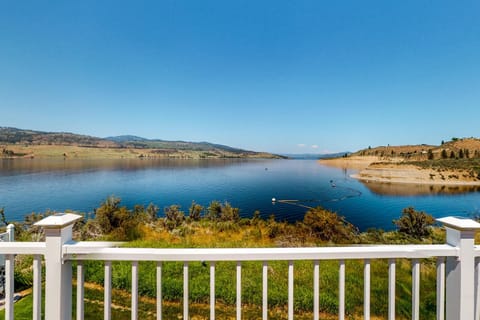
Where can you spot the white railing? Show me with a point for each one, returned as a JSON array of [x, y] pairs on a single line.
[[457, 293], [7, 236]]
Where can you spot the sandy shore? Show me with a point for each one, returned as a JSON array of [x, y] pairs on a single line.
[[391, 173], [350, 162], [375, 169]]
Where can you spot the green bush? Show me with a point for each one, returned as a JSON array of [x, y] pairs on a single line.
[[328, 226], [416, 224]]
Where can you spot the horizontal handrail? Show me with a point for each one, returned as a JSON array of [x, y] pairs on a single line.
[[30, 248], [476, 251], [83, 252]]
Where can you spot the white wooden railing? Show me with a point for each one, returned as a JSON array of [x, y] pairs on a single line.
[[7, 236], [458, 271]]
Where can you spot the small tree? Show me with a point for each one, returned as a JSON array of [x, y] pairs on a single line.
[[444, 154], [328, 226], [117, 222], [152, 212], [430, 154], [105, 214], [229, 213], [222, 212], [2, 216], [174, 217], [214, 210], [195, 211], [414, 223]]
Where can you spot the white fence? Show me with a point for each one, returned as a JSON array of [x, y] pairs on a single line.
[[7, 236], [457, 271]]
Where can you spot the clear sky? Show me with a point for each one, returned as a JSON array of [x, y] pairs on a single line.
[[279, 76]]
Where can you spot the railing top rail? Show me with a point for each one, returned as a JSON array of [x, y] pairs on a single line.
[[22, 248], [476, 251], [83, 252]]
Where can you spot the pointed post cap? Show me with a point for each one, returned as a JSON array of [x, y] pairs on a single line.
[[460, 223], [58, 220]]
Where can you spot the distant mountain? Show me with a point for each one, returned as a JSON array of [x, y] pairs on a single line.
[[17, 136], [139, 142], [314, 156], [125, 138], [125, 146]]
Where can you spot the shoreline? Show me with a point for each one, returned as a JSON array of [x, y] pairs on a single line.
[[353, 162], [95, 153], [375, 169]]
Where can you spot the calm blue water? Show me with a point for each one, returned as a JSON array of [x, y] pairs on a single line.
[[37, 185]]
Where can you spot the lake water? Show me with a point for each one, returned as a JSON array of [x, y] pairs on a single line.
[[37, 185]]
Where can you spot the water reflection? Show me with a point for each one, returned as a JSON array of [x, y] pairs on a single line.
[[406, 189], [9, 167]]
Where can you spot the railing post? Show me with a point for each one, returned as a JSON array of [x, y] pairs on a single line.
[[460, 270], [11, 232], [58, 273]]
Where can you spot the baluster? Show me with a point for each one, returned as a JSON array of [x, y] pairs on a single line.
[[366, 289], [476, 289], [441, 288], [9, 285], [134, 292], [239, 290], [290, 290], [80, 291], [212, 290], [265, 290], [415, 289], [107, 312], [316, 290], [185, 290], [159, 290], [391, 289], [341, 290], [37, 287]]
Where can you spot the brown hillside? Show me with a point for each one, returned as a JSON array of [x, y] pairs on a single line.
[[457, 148], [415, 152]]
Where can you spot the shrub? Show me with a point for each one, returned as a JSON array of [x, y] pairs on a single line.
[[117, 222], [174, 217], [414, 223], [222, 212], [328, 226], [195, 211]]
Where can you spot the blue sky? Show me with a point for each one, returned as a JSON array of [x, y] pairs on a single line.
[[279, 76]]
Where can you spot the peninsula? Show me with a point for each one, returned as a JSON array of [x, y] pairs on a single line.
[[18, 143], [456, 162]]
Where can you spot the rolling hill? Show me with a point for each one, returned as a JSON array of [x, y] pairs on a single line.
[[16, 143]]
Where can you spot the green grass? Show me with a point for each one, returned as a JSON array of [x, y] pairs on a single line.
[[22, 309], [172, 286], [251, 290]]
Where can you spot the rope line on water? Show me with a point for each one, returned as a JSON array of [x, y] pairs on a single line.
[[301, 202]]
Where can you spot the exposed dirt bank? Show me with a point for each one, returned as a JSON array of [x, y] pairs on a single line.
[[377, 169], [354, 162], [394, 173]]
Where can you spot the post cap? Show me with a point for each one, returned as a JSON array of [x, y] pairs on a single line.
[[58, 220], [460, 223]]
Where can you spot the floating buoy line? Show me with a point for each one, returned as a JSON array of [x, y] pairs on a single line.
[[353, 193]]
